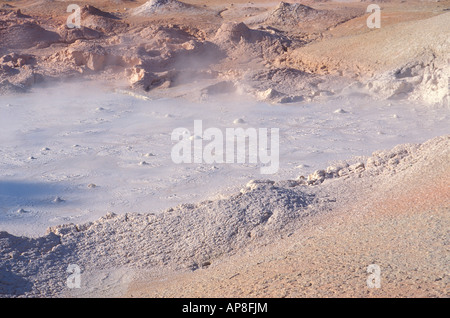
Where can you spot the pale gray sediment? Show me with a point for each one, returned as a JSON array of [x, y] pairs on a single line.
[[193, 236]]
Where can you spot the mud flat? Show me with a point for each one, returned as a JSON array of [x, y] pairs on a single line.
[[276, 239]]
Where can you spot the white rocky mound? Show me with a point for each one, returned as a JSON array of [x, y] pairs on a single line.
[[285, 14], [159, 6]]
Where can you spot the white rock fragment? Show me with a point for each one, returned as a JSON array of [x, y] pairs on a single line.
[[357, 166], [109, 216], [58, 200], [333, 170], [317, 177], [91, 186], [340, 111], [257, 185], [238, 121], [148, 155], [268, 94], [143, 163]]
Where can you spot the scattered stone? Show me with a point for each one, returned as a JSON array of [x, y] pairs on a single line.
[[333, 171], [269, 95], [58, 200], [258, 185], [206, 264], [316, 178], [357, 166]]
